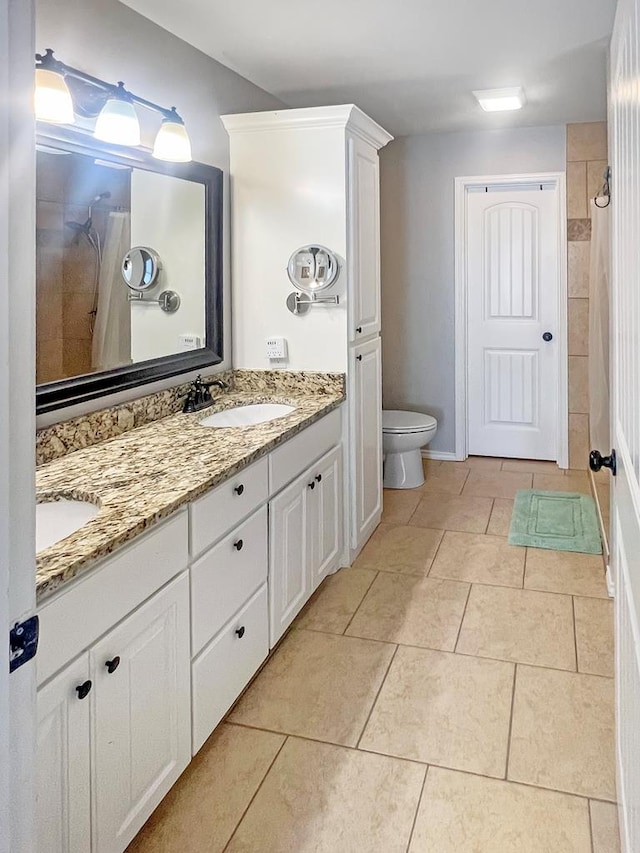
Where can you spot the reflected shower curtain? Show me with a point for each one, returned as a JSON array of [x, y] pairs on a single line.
[[111, 344], [599, 417]]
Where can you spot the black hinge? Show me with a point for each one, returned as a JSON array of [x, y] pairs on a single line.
[[23, 642]]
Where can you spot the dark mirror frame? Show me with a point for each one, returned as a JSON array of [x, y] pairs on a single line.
[[79, 389]]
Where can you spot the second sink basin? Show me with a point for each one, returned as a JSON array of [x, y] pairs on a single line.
[[57, 519], [256, 413]]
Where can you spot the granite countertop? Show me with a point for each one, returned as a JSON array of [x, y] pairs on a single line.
[[148, 473]]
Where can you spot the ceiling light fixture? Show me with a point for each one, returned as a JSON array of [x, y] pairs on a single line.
[[62, 91], [499, 100]]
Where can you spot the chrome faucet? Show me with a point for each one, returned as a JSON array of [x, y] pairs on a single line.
[[199, 395]]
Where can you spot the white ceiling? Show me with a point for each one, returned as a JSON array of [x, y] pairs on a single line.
[[410, 64]]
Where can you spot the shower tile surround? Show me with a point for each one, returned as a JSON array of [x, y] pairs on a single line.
[[586, 162], [143, 460]]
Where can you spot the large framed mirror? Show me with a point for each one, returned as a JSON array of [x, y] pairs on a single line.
[[128, 268]]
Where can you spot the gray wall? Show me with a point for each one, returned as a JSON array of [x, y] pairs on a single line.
[[109, 40], [417, 223]]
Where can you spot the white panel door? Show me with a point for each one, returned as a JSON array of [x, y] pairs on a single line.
[[63, 808], [326, 516], [289, 556], [142, 725], [364, 240], [513, 281], [624, 136], [366, 440]]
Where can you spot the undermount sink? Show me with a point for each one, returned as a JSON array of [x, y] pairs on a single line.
[[256, 413], [57, 519]]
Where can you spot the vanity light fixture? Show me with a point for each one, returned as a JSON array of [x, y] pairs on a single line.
[[62, 91], [499, 100]]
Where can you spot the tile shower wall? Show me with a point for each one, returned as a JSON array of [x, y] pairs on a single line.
[[586, 162]]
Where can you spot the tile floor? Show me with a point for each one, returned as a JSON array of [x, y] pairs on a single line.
[[449, 693]]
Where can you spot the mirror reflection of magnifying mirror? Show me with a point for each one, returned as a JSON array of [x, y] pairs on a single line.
[[312, 268], [140, 268]]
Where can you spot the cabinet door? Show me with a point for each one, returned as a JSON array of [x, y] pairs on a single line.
[[325, 516], [141, 729], [63, 808], [366, 441], [289, 556], [364, 240]]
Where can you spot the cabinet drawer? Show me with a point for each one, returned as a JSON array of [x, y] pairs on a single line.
[[226, 576], [216, 513], [286, 462], [227, 664]]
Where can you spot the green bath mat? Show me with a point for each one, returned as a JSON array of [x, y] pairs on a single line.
[[560, 521]]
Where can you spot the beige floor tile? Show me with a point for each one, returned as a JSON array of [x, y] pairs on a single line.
[[519, 625], [565, 571], [337, 599], [531, 466], [443, 709], [400, 548], [496, 484], [411, 610], [201, 811], [398, 505], [319, 798], [474, 558], [430, 465], [447, 480], [594, 635], [576, 481], [486, 463], [320, 686], [500, 521], [453, 512], [604, 826], [562, 733], [460, 813]]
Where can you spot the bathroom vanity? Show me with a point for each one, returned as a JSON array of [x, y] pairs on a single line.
[[158, 612]]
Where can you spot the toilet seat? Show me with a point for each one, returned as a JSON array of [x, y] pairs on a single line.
[[399, 422]]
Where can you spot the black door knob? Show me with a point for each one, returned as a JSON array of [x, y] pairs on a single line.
[[112, 664], [240, 632], [84, 689], [598, 461], [547, 337], [238, 545], [239, 489], [318, 478], [359, 357], [311, 485], [359, 329]]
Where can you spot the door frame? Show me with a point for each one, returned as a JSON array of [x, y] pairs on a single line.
[[462, 187]]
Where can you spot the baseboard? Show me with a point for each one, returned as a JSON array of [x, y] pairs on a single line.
[[442, 455]]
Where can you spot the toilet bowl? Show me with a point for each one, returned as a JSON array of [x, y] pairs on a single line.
[[403, 434]]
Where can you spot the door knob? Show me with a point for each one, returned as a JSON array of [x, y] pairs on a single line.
[[112, 664], [547, 336], [83, 689], [238, 545], [240, 632], [598, 461]]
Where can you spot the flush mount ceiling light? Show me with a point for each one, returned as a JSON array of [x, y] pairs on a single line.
[[62, 91], [499, 100]]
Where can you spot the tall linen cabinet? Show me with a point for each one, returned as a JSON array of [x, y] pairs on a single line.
[[311, 176]]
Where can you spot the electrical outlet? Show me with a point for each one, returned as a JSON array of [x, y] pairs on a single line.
[[276, 349]]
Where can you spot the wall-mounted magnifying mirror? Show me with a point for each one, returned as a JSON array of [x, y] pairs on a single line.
[[313, 268], [140, 268]]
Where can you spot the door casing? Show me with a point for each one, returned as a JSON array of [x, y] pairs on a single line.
[[462, 187]]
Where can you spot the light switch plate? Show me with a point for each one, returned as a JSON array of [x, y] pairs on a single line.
[[276, 349]]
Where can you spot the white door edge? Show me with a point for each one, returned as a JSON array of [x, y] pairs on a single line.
[[462, 187]]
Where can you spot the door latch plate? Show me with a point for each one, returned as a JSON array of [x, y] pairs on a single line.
[[23, 642]]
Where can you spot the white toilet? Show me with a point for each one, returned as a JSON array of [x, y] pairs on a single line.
[[403, 434]]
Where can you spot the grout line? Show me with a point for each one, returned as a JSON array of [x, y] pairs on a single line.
[[437, 551], [419, 803], [275, 757], [464, 613], [493, 503], [373, 704], [513, 701], [590, 826], [352, 617], [575, 630]]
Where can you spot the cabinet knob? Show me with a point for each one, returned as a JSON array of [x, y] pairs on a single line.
[[359, 357], [598, 461], [84, 689], [239, 489], [240, 632], [359, 329], [238, 545], [311, 485], [112, 664], [318, 478]]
